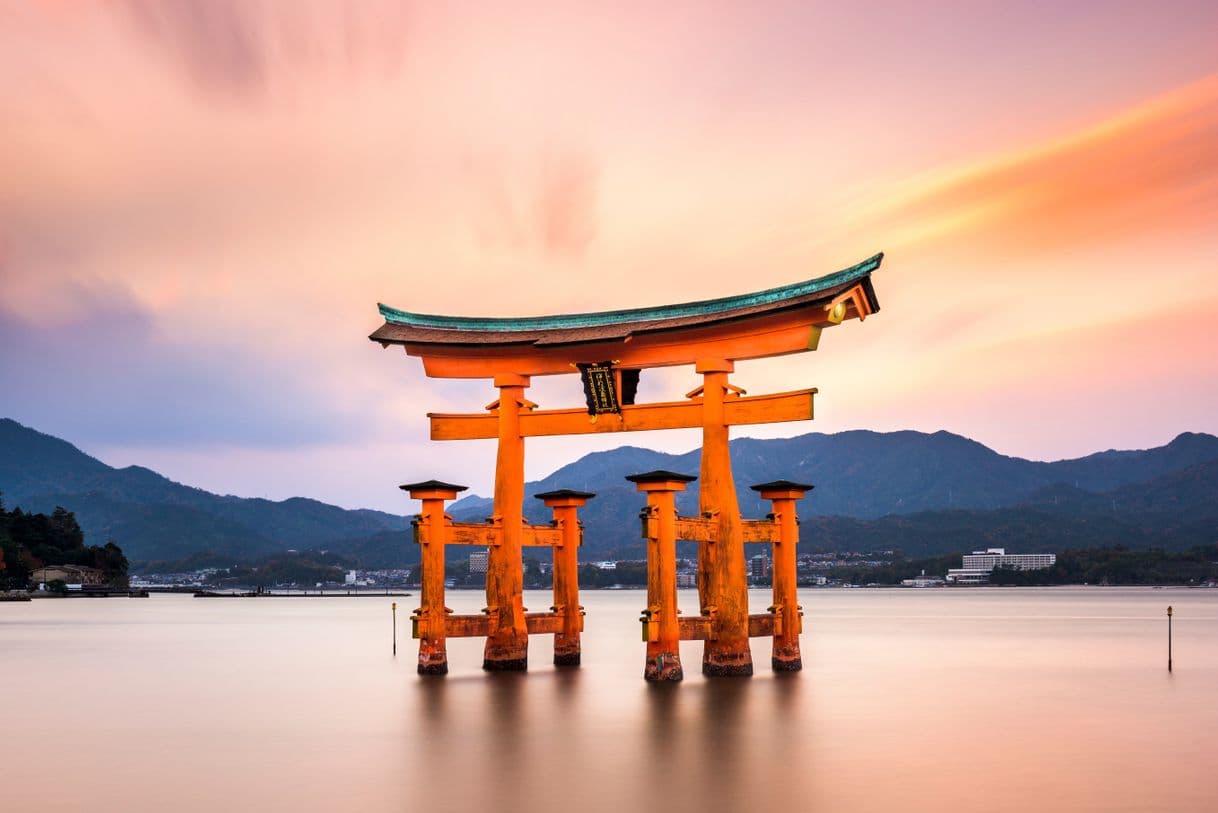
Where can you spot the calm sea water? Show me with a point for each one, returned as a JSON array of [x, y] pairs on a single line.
[[975, 699]]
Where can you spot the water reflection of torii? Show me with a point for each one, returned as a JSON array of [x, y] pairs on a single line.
[[712, 335]]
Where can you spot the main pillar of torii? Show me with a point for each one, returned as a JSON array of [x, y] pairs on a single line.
[[609, 349]]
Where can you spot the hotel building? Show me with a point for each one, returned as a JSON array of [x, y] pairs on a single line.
[[975, 567]]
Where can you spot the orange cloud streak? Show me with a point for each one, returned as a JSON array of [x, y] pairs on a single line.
[[1154, 166]]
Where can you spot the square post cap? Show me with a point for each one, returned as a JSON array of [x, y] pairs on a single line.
[[782, 490], [564, 497], [661, 480], [432, 490]]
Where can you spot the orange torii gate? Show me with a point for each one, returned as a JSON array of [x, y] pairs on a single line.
[[609, 349]]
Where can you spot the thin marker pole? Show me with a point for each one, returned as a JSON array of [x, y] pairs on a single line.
[[394, 607], [1169, 638]]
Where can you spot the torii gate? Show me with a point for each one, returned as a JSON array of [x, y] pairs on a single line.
[[711, 335]]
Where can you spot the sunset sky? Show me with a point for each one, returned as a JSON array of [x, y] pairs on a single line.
[[201, 204]]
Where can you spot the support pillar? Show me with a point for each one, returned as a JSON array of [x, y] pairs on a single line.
[[566, 504], [722, 583], [788, 620], [507, 647], [661, 627], [431, 532]]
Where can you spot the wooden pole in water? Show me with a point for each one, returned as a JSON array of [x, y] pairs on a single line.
[[431, 531], [1169, 638], [565, 504], [394, 607], [788, 624], [661, 627], [722, 585], [507, 647]]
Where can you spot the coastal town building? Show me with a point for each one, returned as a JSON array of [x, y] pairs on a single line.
[[759, 568], [976, 567], [477, 562], [69, 574]]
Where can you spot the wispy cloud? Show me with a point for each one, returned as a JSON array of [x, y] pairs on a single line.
[[542, 205], [1151, 167], [242, 47]]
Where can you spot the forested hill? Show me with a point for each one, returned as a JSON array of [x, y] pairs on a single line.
[[920, 492], [902, 489], [152, 517]]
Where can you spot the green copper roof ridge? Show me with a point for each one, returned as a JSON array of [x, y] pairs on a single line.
[[651, 314]]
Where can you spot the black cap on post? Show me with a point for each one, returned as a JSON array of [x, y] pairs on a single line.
[[660, 476], [564, 493], [783, 485], [432, 485]]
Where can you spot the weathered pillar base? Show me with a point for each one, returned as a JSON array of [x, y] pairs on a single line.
[[506, 665], [787, 664], [506, 657], [664, 667], [727, 664], [786, 658], [566, 651], [433, 662]]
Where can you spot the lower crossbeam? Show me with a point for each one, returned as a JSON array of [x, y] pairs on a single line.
[[479, 626], [698, 628], [695, 628], [764, 625]]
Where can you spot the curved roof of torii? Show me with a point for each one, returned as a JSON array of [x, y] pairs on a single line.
[[404, 327]]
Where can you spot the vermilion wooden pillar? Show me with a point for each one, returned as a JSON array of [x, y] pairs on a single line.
[[566, 504], [788, 623], [722, 584], [660, 623], [431, 617], [507, 647]]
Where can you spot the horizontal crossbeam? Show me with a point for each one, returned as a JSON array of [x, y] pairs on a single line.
[[486, 535], [697, 529], [759, 530], [544, 623], [737, 411], [762, 625], [696, 628], [467, 626], [700, 628], [706, 529], [479, 626]]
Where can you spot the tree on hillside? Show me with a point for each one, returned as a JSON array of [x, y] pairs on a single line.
[[30, 541]]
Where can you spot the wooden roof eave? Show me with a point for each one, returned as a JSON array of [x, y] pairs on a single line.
[[794, 331], [753, 331]]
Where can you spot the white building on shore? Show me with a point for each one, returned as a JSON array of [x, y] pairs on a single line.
[[975, 567]]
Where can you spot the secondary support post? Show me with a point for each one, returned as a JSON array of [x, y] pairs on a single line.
[[431, 618], [788, 619], [722, 584], [661, 627], [566, 504], [507, 647]]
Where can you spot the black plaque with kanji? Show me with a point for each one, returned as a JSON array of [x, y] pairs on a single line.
[[600, 389]]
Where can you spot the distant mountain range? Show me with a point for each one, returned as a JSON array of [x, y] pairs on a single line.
[[152, 517], [922, 493]]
